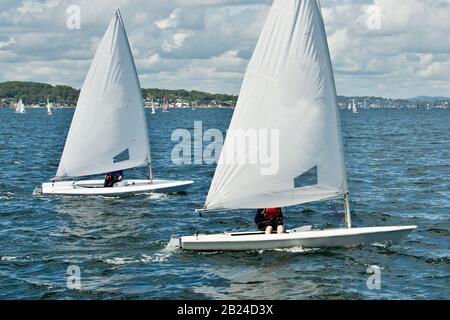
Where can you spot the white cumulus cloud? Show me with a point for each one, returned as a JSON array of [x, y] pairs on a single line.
[[394, 48]]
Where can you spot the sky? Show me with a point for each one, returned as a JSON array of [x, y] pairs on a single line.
[[389, 48]]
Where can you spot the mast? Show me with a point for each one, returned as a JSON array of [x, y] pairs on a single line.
[[150, 171], [347, 214], [348, 218]]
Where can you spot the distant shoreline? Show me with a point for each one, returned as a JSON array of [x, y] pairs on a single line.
[[146, 107], [36, 94]]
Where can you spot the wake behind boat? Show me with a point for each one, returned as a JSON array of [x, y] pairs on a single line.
[[109, 129], [290, 69]]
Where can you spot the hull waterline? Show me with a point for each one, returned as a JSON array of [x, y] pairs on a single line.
[[95, 187], [305, 239]]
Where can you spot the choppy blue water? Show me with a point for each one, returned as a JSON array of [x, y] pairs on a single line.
[[398, 165]]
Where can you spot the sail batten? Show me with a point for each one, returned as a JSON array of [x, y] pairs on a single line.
[[288, 91], [110, 116]]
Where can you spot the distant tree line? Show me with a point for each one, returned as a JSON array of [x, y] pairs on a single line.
[[36, 93], [187, 95]]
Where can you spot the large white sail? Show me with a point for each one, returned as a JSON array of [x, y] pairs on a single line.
[[288, 87], [109, 129]]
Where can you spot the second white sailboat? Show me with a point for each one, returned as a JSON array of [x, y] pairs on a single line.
[[109, 128]]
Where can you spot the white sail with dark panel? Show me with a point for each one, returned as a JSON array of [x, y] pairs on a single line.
[[109, 128], [109, 120], [288, 87]]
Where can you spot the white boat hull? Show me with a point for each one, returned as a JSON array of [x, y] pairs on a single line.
[[291, 239], [95, 187]]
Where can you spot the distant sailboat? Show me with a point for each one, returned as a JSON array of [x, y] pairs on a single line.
[[164, 105], [288, 87], [354, 109], [109, 129], [153, 107], [20, 108], [49, 108]]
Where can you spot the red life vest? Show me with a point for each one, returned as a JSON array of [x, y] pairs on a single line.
[[271, 213]]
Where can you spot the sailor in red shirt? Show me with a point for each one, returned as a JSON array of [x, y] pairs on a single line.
[[269, 219]]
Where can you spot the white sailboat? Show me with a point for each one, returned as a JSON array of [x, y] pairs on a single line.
[[20, 108], [290, 69], [109, 129], [354, 109], [49, 108], [153, 107], [164, 105]]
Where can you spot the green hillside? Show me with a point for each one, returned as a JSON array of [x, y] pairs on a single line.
[[35, 93]]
